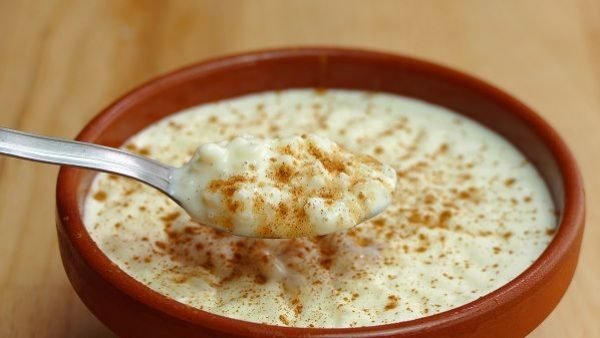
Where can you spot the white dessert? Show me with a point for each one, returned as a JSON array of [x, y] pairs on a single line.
[[469, 213], [301, 185]]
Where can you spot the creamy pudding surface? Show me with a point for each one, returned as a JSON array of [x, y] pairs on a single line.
[[468, 214]]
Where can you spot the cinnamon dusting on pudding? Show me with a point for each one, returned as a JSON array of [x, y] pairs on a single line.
[[451, 234], [392, 302], [100, 196], [304, 185]]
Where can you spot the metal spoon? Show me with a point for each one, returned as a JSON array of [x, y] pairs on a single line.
[[174, 182], [86, 155]]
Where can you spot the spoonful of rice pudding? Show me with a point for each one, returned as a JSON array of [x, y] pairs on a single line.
[[295, 186]]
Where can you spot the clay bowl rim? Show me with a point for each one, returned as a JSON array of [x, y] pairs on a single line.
[[573, 212]]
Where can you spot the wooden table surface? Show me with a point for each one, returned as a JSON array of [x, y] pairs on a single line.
[[62, 61]]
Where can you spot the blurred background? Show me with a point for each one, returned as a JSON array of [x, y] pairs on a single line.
[[62, 61]]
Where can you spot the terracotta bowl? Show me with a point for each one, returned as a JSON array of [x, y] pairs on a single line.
[[131, 309]]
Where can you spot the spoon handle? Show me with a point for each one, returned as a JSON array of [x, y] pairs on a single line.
[[85, 155]]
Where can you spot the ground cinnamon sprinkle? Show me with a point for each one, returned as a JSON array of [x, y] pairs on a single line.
[[100, 196], [282, 210], [161, 245], [131, 147], [444, 218], [298, 307], [379, 222], [443, 148], [392, 303], [170, 217], [284, 319], [429, 199], [331, 163], [284, 173], [228, 186], [464, 195], [144, 151]]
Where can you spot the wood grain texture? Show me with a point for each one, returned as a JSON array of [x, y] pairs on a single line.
[[62, 61]]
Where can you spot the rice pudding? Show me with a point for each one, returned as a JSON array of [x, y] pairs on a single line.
[[469, 213], [295, 186]]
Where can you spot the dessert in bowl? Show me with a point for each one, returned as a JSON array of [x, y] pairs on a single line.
[[469, 213], [482, 237]]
